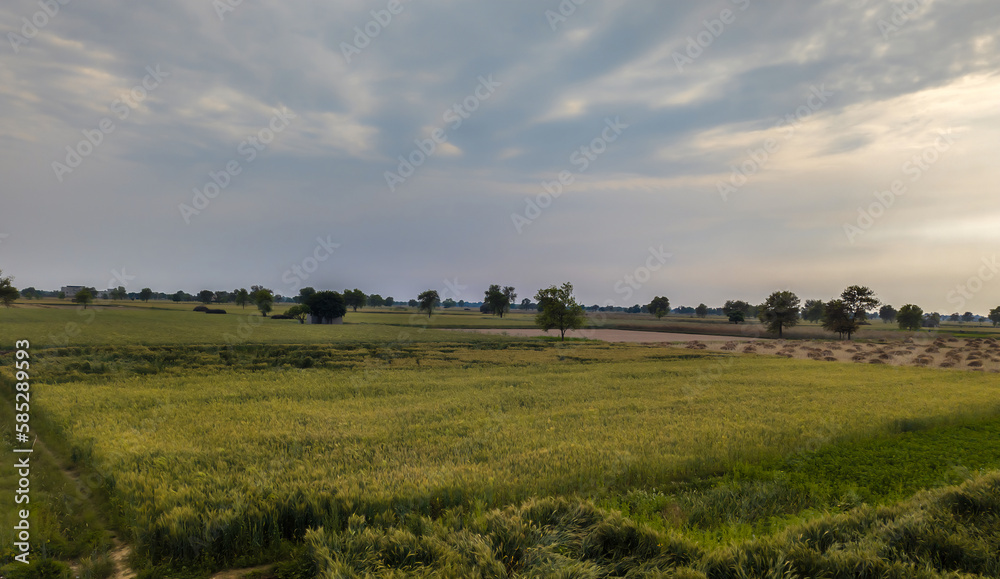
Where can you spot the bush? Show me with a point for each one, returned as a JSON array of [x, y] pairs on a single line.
[[281, 317], [215, 311], [201, 309]]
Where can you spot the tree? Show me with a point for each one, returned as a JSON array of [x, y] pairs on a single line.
[[954, 317], [508, 292], [428, 300], [448, 303], [839, 317], [376, 301], [659, 307], [910, 317], [859, 299], [223, 297], [968, 317], [413, 303], [701, 311], [145, 294], [355, 298], [326, 305], [932, 320], [263, 298], [304, 294], [389, 301], [995, 316], [206, 296], [888, 314], [8, 293], [241, 297], [812, 311], [299, 311], [557, 308], [525, 304], [780, 310], [732, 306], [178, 296], [737, 317], [498, 299], [83, 297]]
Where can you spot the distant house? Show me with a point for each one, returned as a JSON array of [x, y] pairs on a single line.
[[317, 320], [70, 291]]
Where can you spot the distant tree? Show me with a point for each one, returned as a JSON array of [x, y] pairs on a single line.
[[486, 309], [932, 320], [428, 300], [968, 317], [859, 300], [888, 314], [910, 317], [557, 308], [263, 298], [508, 292], [376, 301], [413, 303], [178, 297], [355, 298], [241, 297], [812, 311], [326, 305], [83, 297], [740, 306], [525, 304], [498, 299], [62, 295], [29, 293], [8, 293], [145, 294], [956, 317], [659, 307], [995, 316], [223, 297], [461, 303], [838, 317], [779, 310], [448, 303], [299, 311], [701, 311], [206, 296], [736, 317], [389, 301]]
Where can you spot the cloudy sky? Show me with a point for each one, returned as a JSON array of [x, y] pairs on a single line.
[[707, 150]]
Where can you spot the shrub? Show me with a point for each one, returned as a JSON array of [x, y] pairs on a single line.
[[201, 308], [215, 311]]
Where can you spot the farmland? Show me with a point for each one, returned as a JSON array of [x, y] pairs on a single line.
[[386, 444]]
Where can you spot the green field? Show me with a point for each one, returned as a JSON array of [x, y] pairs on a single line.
[[385, 447]]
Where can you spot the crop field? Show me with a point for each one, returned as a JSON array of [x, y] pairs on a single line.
[[388, 448]]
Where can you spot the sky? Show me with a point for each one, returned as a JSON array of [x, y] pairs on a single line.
[[702, 151]]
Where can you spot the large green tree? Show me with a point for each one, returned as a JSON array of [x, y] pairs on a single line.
[[83, 297], [8, 293], [206, 296], [995, 316], [327, 305], [299, 311], [888, 314], [355, 298], [241, 297], [859, 300], [701, 311], [910, 317], [557, 308], [427, 302], [838, 317], [263, 298], [145, 293], [659, 307], [499, 299], [780, 310]]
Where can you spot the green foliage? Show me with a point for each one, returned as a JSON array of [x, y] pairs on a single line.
[[557, 308], [355, 299], [659, 307], [145, 293], [910, 317], [83, 297], [300, 312], [701, 311], [328, 305], [733, 306], [780, 310], [427, 301], [498, 299], [888, 314], [263, 298], [736, 317], [8, 293], [839, 317], [995, 316], [206, 296], [241, 297], [858, 300], [812, 311]]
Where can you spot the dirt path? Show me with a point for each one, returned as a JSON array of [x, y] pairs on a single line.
[[632, 336]]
